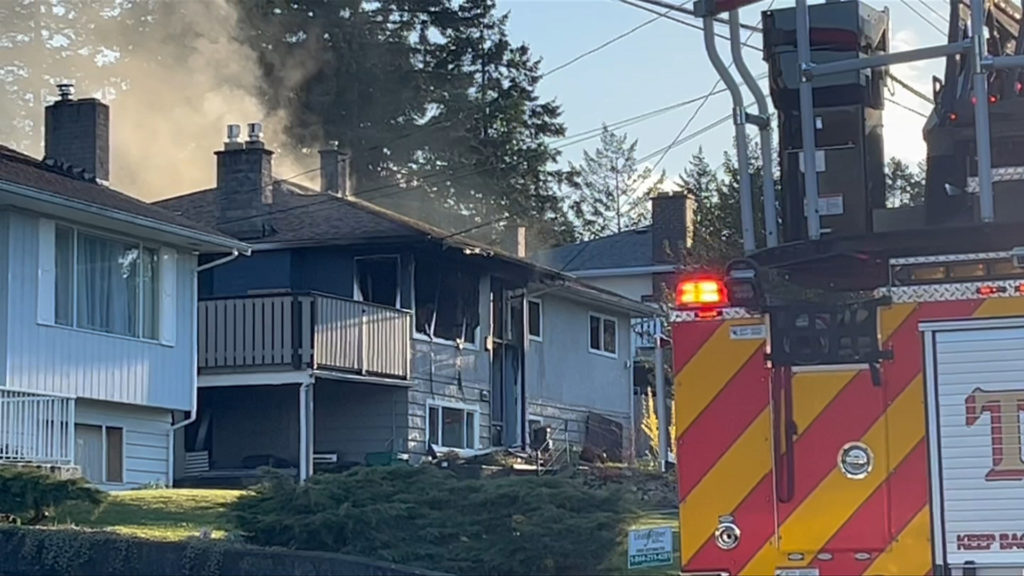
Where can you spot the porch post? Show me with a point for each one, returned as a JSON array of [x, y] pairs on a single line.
[[305, 430]]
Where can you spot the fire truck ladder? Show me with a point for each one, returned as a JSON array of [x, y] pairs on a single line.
[[967, 53]]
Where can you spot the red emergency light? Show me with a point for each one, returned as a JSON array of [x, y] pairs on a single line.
[[701, 293]]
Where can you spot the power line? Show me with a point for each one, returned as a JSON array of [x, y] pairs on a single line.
[[608, 43], [911, 89], [680, 21], [923, 17], [905, 107], [693, 116], [938, 14]]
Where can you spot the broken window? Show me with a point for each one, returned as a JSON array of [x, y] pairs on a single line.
[[447, 302], [377, 280]]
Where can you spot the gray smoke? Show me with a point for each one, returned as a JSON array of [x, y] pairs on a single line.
[[174, 81]]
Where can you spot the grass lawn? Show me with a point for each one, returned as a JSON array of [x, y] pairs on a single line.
[[158, 514]]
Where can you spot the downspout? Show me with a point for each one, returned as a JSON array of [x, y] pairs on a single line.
[[739, 119], [194, 413], [761, 120]]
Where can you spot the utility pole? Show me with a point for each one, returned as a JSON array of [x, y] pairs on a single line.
[[659, 391]]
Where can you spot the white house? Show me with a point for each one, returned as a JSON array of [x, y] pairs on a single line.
[[97, 309]]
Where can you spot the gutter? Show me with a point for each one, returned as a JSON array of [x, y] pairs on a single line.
[[118, 215], [611, 272], [194, 412]]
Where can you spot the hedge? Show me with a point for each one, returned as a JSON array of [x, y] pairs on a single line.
[[428, 517]]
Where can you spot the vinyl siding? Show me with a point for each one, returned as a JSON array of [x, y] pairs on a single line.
[[87, 364], [5, 232], [563, 371], [145, 439]]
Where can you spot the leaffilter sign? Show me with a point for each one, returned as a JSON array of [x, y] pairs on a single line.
[[650, 547]]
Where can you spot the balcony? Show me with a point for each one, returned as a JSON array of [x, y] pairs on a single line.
[[308, 331], [36, 428], [645, 331]]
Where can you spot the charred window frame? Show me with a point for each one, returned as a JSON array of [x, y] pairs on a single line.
[[378, 280], [446, 302]]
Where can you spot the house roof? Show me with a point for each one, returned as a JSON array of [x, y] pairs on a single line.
[[628, 249], [51, 182], [302, 216]]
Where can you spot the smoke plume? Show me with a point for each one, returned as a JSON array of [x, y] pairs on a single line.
[[181, 76]]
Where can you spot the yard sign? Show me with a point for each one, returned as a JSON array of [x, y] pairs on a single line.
[[650, 547]]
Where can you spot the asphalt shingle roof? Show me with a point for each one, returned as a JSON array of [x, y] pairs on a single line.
[[20, 169], [302, 215], [628, 249]]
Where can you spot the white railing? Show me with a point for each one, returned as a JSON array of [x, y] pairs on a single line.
[[644, 332], [36, 428], [305, 331], [363, 337]]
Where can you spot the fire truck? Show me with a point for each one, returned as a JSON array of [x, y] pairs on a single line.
[[848, 394]]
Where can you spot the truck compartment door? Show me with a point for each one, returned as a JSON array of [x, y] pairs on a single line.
[[975, 388], [830, 470]]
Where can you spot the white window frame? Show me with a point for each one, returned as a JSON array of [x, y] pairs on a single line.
[[165, 299], [601, 351], [357, 293], [475, 346], [466, 409], [540, 319], [103, 438]]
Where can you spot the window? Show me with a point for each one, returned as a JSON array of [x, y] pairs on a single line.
[[447, 302], [534, 319], [603, 334], [106, 285], [451, 427], [99, 452], [377, 280]]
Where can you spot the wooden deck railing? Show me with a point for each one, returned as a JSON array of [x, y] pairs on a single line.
[[305, 331], [36, 428]]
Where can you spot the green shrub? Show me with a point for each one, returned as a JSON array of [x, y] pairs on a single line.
[[30, 495], [430, 518]]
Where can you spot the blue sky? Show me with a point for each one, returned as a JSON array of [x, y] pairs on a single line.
[[665, 63]]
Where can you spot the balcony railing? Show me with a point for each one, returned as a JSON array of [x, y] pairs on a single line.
[[36, 428], [645, 331], [305, 331]]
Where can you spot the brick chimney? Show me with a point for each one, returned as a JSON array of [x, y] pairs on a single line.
[[515, 240], [78, 134], [244, 184], [669, 225], [334, 170]]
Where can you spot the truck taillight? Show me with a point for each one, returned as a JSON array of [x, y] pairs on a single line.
[[702, 292]]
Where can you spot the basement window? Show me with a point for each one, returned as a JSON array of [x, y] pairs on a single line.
[[99, 452], [377, 280], [447, 303], [452, 427]]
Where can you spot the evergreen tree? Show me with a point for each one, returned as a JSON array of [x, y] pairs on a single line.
[[437, 105], [611, 190], [904, 186]]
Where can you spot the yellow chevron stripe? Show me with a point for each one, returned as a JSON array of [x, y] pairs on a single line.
[[704, 376], [743, 466], [996, 307], [910, 554], [837, 498]]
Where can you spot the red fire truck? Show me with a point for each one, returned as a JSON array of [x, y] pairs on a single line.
[[848, 396]]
